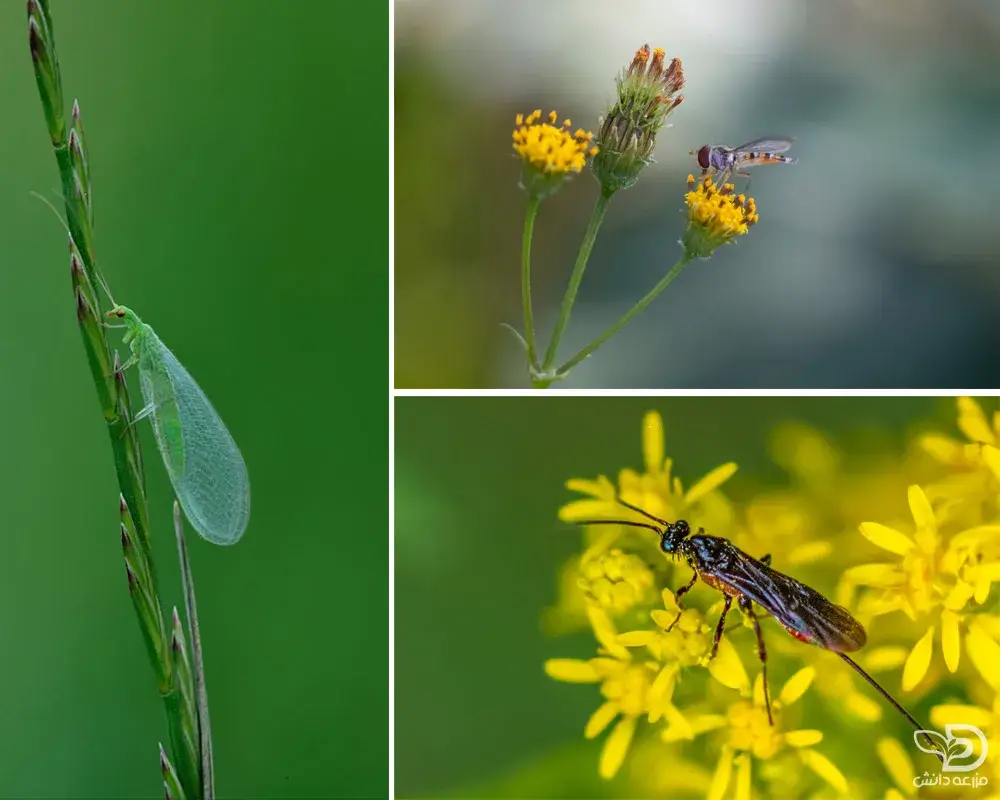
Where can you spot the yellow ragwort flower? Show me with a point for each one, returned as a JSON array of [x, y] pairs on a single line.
[[687, 643], [550, 152], [930, 580], [715, 216], [615, 580], [751, 735], [625, 684], [654, 490]]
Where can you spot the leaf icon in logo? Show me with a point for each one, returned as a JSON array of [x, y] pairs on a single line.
[[942, 742]]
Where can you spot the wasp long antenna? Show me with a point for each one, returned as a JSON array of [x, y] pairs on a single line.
[[646, 514], [65, 224], [875, 685], [628, 522]]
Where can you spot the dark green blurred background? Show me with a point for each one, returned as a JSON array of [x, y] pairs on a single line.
[[238, 158], [875, 260], [478, 484]]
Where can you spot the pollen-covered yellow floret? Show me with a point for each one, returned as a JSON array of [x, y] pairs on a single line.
[[719, 211], [550, 148]]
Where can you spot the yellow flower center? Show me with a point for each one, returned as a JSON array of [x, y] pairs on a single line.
[[721, 213], [549, 148], [750, 730], [616, 580], [629, 688]]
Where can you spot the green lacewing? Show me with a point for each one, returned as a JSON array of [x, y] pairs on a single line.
[[204, 464]]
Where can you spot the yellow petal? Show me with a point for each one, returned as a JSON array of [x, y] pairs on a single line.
[[984, 653], [600, 719], [950, 647], [652, 442], [921, 509], [886, 538], [723, 772], [863, 707], [710, 482], [825, 768], [982, 590], [897, 762], [727, 668], [942, 448], [959, 595], [605, 632], [678, 724], [991, 457], [636, 638], [586, 509], [887, 657], [803, 738], [743, 779], [661, 691], [571, 670], [981, 534], [796, 686], [918, 661], [873, 574], [616, 747], [602, 487], [894, 794], [968, 715], [663, 619], [972, 421], [809, 553]]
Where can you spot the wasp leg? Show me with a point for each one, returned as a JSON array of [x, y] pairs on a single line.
[[680, 593], [747, 608], [719, 628]]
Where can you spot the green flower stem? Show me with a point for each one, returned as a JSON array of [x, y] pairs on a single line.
[[531, 212], [70, 150], [638, 308], [596, 218]]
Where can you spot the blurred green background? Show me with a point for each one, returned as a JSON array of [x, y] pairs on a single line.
[[875, 260], [235, 217], [478, 545]]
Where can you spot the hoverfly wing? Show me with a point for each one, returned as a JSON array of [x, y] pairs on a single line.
[[769, 144]]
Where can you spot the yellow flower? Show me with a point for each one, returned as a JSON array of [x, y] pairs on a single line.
[[715, 216], [549, 151], [625, 685], [930, 581], [687, 643], [647, 93], [654, 490], [616, 581], [749, 735]]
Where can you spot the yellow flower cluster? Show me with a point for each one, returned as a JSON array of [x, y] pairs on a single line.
[[549, 148], [715, 215], [913, 540]]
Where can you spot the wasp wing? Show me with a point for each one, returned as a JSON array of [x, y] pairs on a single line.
[[802, 611]]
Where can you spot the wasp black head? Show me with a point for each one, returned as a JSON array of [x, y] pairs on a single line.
[[673, 535]]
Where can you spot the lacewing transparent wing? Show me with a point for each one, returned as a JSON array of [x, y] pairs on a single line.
[[202, 460]]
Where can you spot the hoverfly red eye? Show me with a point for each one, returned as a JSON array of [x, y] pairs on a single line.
[[703, 156]]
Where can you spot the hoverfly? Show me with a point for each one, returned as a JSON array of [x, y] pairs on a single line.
[[732, 160]]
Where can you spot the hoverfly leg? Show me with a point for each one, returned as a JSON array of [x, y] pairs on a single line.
[[680, 593], [747, 608], [719, 628]]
